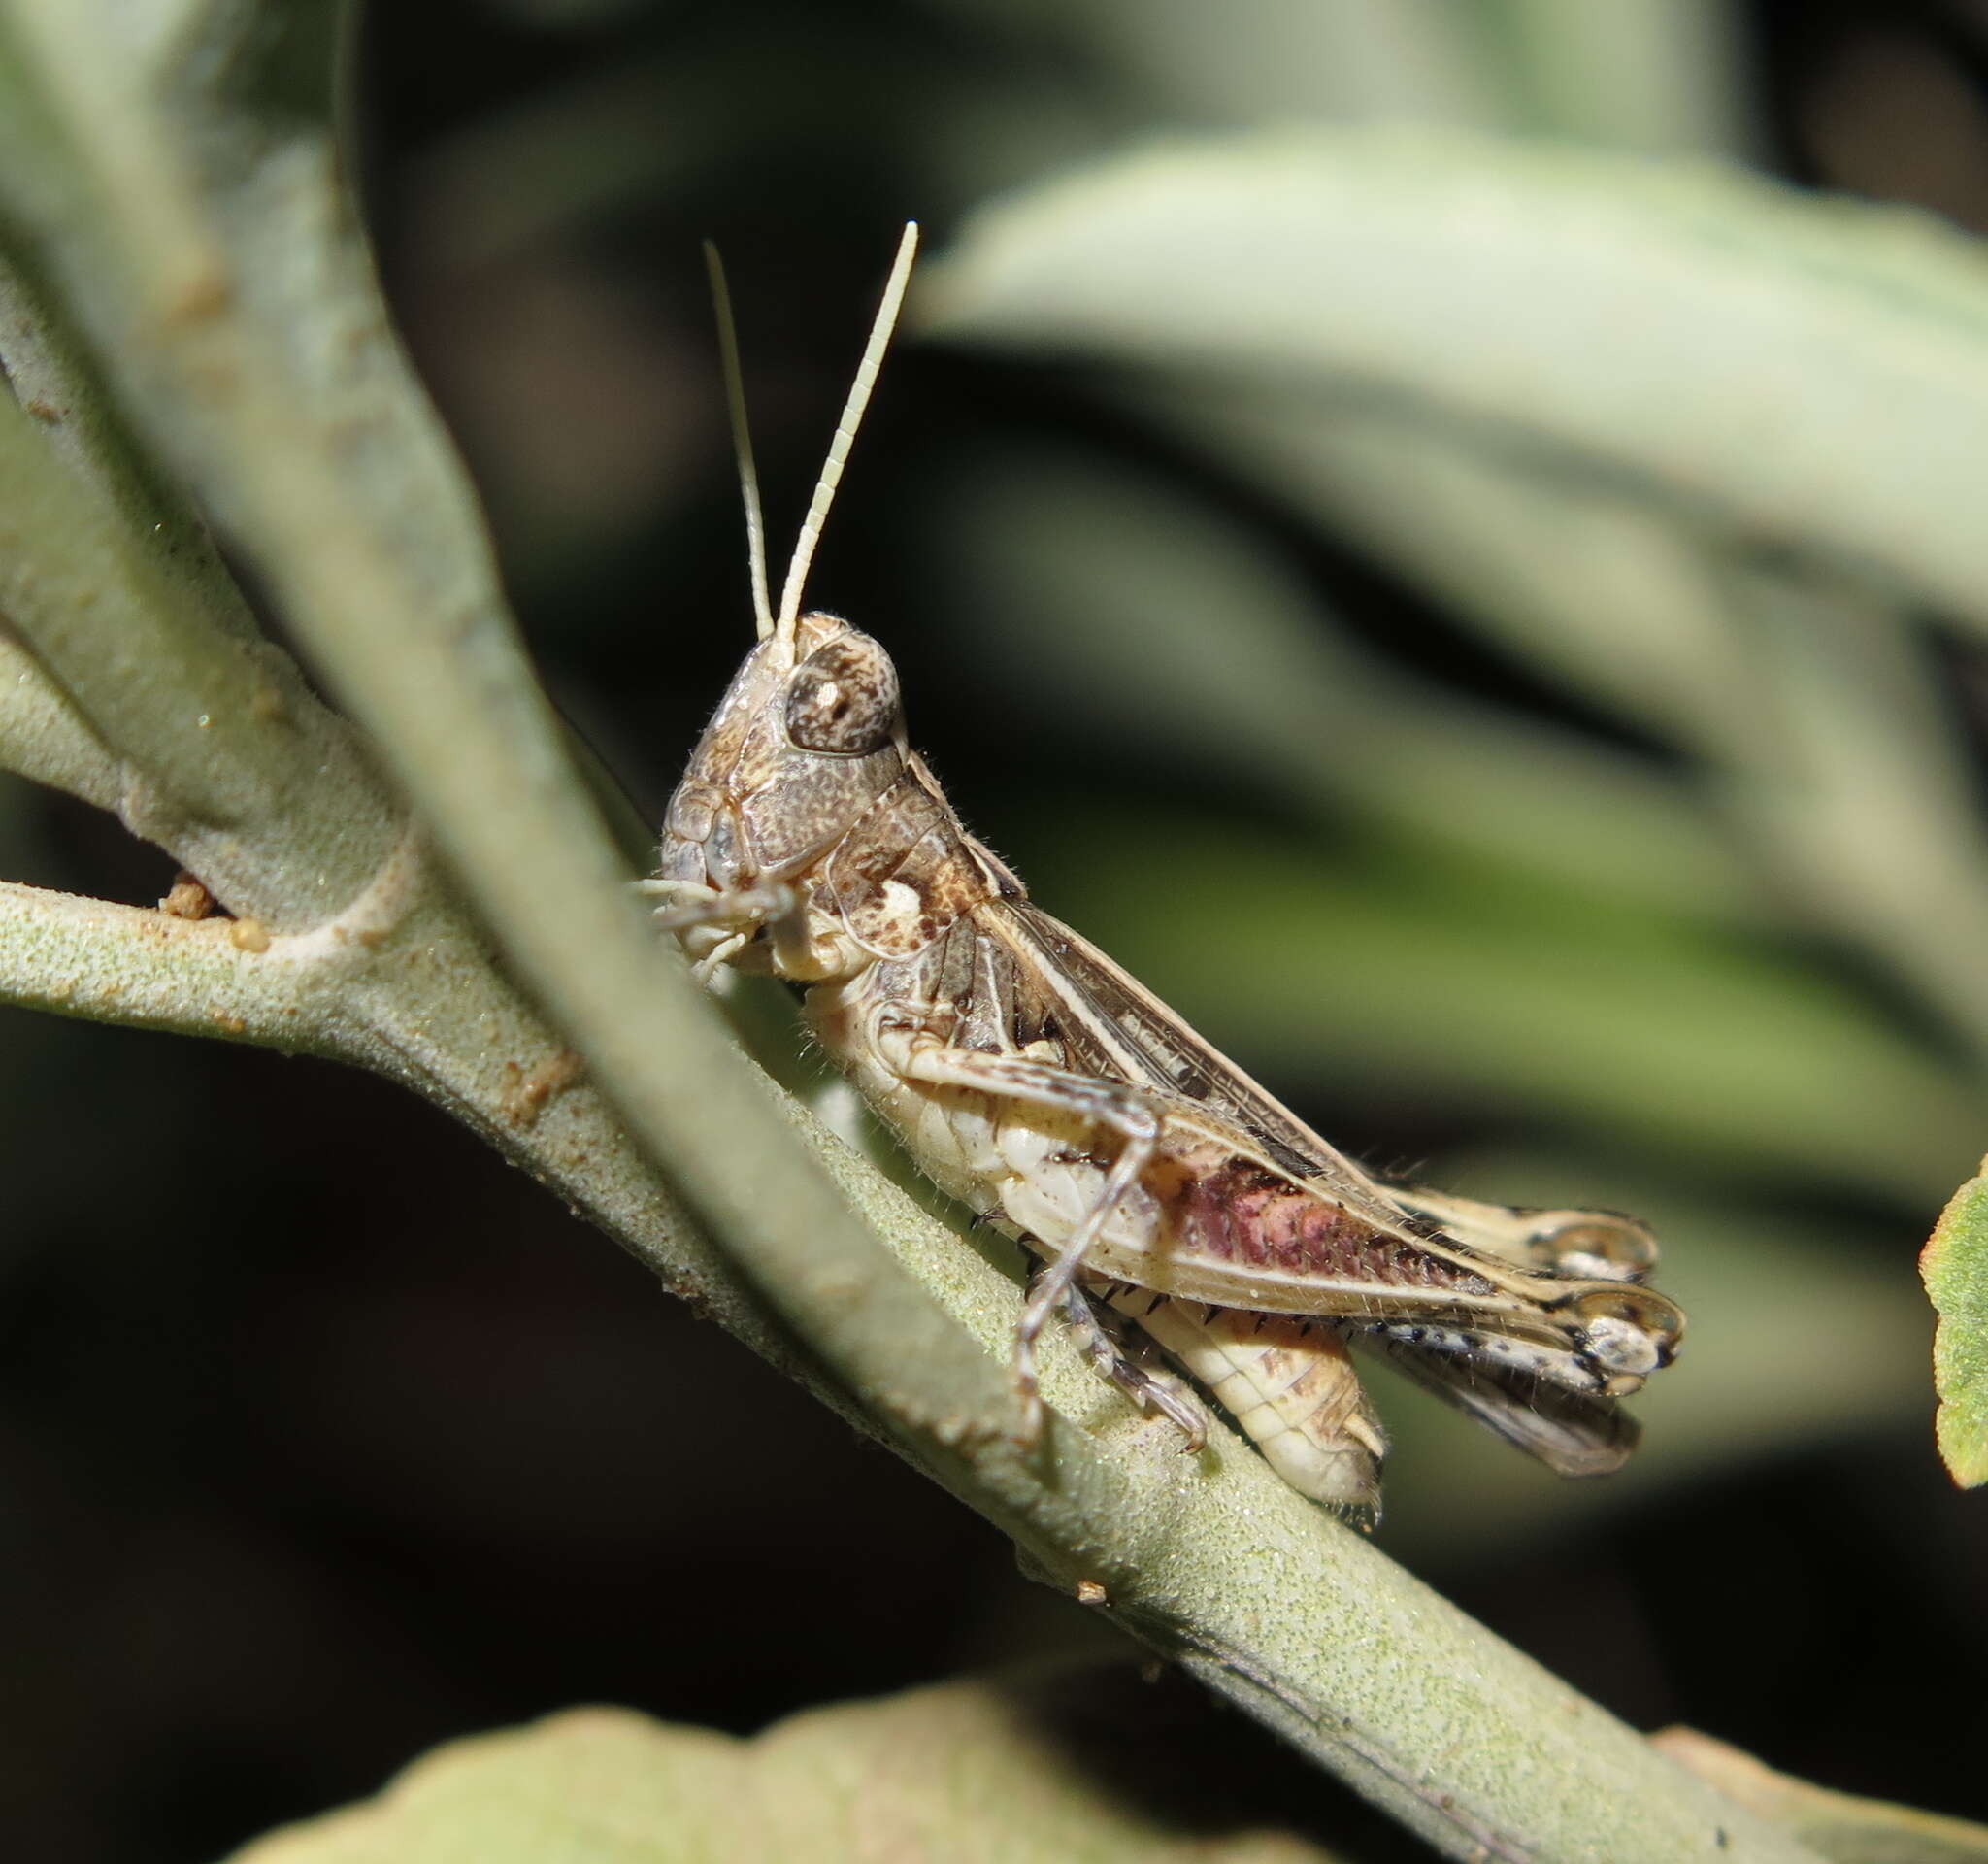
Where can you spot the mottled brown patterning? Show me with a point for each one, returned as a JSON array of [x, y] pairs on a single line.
[[1174, 1202]]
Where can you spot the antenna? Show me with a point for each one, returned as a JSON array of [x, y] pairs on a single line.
[[741, 438], [846, 429]]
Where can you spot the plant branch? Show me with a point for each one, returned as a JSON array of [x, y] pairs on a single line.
[[44, 737], [148, 969], [215, 733]]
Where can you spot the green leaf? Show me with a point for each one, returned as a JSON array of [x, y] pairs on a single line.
[[1838, 1826], [1955, 1266], [1298, 63], [1816, 719], [970, 1772], [1806, 371], [1658, 75]]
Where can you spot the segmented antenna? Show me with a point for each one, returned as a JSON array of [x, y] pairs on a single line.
[[846, 429], [741, 438]]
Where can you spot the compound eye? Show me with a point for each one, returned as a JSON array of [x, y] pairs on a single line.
[[842, 699]]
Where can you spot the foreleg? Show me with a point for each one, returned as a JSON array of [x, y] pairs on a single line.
[[772, 907]]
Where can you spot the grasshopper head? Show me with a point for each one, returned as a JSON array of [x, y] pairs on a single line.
[[809, 735]]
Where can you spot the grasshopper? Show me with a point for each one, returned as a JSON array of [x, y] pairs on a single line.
[[1171, 1200]]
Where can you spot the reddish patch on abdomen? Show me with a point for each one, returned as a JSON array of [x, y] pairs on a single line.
[[1244, 1214]]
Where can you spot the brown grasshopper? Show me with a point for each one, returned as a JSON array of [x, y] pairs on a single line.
[[1167, 1193]]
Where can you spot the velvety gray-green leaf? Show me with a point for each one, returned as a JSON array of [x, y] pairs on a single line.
[[1430, 60], [1822, 734], [1812, 372], [973, 1772], [1657, 75]]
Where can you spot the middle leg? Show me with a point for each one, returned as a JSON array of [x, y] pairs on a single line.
[[1133, 1116]]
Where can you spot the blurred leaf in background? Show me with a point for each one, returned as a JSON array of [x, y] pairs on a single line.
[[1033, 1765]]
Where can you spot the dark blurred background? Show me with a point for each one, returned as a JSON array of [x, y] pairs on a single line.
[[325, 1437]]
